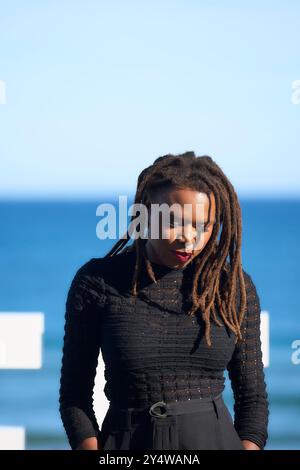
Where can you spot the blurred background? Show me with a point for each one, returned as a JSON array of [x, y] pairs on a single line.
[[90, 94]]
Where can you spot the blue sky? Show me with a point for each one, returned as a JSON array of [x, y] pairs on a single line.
[[95, 91]]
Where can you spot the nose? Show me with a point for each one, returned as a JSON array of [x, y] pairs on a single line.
[[188, 235]]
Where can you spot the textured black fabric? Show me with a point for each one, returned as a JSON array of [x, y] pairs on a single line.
[[196, 424], [152, 349]]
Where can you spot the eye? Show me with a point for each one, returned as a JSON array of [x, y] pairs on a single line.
[[175, 224], [178, 224]]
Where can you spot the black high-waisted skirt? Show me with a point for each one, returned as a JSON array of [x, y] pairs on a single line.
[[196, 424]]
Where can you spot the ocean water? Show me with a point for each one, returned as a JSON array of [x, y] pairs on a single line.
[[42, 244]]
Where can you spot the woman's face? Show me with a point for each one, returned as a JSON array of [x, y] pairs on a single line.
[[181, 233]]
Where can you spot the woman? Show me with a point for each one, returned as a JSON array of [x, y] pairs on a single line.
[[169, 315]]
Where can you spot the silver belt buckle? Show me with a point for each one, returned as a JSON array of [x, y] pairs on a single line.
[[158, 415]]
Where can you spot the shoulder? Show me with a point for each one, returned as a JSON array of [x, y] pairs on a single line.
[[88, 271], [250, 286], [249, 283], [87, 284], [108, 267], [97, 273], [100, 267], [252, 309]]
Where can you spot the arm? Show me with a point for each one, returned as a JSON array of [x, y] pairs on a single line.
[[90, 443], [79, 361], [249, 445], [246, 373]]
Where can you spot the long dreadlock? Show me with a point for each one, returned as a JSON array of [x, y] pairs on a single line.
[[204, 175]]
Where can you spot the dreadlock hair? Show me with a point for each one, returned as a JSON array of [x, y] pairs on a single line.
[[202, 174]]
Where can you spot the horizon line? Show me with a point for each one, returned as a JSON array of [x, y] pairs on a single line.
[[84, 197]]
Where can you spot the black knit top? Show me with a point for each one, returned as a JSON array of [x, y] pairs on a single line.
[[153, 350]]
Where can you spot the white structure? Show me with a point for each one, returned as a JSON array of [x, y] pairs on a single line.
[[20, 348], [21, 340], [100, 401], [12, 438], [265, 337]]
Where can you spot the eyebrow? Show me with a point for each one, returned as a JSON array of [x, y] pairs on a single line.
[[210, 221], [206, 222]]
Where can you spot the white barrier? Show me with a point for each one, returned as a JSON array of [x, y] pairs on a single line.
[[12, 438], [265, 337], [100, 401], [21, 340], [20, 348]]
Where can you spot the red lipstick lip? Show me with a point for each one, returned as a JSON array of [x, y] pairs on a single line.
[[182, 255]]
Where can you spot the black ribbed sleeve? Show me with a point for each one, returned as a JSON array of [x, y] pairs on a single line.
[[80, 355], [247, 377]]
